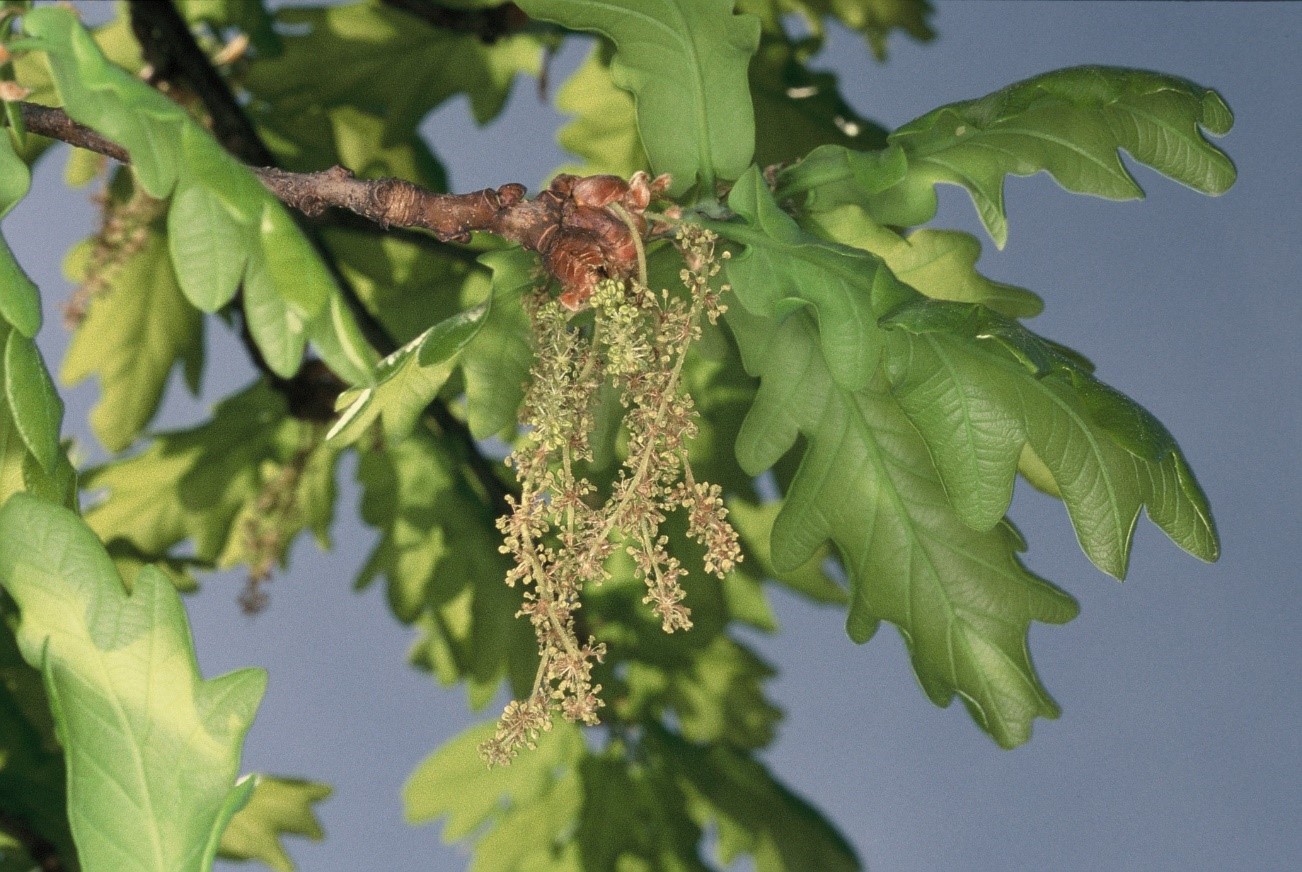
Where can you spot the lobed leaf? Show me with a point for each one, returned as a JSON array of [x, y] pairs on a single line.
[[277, 806], [139, 327], [438, 553], [152, 749], [454, 782], [201, 483], [407, 380], [939, 263], [961, 598], [753, 812], [1069, 123], [685, 63], [783, 269], [981, 390]]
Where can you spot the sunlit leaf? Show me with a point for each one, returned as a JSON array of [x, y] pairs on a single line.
[[152, 749], [254, 237], [277, 807], [454, 782], [939, 263], [408, 380], [139, 327]]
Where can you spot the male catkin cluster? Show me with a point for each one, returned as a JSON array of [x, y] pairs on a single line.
[[559, 532]]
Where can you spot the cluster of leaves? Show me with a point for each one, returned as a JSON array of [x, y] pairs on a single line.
[[886, 384]]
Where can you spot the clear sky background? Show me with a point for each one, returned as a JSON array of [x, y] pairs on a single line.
[[1179, 744]]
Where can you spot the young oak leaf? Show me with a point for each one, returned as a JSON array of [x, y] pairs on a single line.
[[438, 553], [980, 389], [408, 380], [938, 263], [454, 781], [685, 62], [136, 330], [754, 813], [784, 269], [152, 749], [278, 806], [1069, 123]]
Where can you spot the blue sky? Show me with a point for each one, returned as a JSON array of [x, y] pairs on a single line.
[[1179, 744]]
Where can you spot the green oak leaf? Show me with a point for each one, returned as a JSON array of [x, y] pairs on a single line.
[[685, 62], [938, 263], [408, 285], [438, 553], [407, 380], [137, 329], [961, 598], [152, 749], [1069, 123], [278, 806], [753, 812], [978, 404]]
